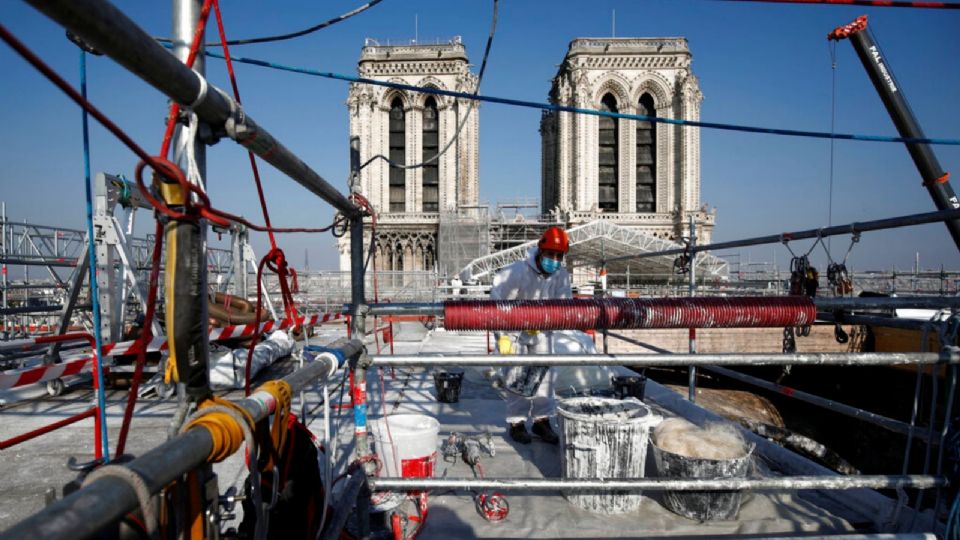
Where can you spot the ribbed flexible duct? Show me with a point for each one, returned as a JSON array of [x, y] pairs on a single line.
[[623, 313]]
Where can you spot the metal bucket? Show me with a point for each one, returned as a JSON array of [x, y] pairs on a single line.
[[604, 438], [702, 505]]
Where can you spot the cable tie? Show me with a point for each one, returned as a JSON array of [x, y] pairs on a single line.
[[202, 95]]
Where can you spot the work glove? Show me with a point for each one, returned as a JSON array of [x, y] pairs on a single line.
[[505, 345]]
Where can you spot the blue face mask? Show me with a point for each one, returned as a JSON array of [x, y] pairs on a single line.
[[549, 265]]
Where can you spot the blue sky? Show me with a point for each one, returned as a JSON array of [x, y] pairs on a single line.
[[758, 64]]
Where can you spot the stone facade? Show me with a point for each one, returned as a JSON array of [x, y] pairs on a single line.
[[635, 173], [411, 127]]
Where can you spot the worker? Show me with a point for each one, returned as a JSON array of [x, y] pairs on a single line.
[[540, 276]]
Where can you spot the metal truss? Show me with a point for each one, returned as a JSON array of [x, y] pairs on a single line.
[[594, 243]]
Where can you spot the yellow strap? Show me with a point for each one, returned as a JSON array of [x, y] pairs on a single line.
[[170, 375], [282, 392], [227, 435]]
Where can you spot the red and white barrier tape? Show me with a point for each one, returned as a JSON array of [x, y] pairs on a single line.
[[45, 373], [227, 332], [37, 374]]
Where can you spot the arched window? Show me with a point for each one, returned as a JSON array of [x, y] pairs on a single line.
[[398, 154], [646, 157], [609, 151], [431, 145]]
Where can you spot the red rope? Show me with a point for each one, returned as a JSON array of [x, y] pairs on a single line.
[[191, 58], [274, 260], [236, 95], [146, 334]]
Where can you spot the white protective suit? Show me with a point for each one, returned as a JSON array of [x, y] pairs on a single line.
[[523, 281]]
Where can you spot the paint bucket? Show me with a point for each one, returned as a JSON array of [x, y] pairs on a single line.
[[604, 438], [448, 385], [702, 505], [408, 448], [625, 386]]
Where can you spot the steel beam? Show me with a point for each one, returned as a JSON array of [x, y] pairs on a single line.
[[837, 230], [111, 32]]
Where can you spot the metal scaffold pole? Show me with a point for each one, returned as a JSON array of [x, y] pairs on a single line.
[[948, 356], [824, 232], [185, 240], [692, 348], [662, 484], [358, 332], [3, 267]]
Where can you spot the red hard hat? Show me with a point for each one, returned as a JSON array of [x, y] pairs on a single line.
[[555, 239]]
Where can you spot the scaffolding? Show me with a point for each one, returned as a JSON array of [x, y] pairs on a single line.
[[106, 498], [461, 237]]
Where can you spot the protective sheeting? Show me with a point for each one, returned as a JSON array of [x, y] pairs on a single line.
[[481, 410], [227, 368]]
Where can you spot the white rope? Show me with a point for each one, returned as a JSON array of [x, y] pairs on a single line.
[[148, 503], [185, 154]]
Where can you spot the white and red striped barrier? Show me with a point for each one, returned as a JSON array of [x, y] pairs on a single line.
[[12, 379]]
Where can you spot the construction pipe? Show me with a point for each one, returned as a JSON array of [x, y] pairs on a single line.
[[837, 230], [67, 262], [662, 484], [84, 513], [437, 309], [887, 302], [619, 313], [404, 308], [111, 32], [951, 356]]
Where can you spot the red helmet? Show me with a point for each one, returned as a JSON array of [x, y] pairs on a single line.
[[555, 239]]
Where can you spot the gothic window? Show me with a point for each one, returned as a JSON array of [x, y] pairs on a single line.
[[646, 157], [398, 154], [431, 145], [609, 151]]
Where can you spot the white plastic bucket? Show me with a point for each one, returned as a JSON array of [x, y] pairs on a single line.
[[409, 448], [604, 438]]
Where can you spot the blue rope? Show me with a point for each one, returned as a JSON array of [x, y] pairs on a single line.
[[593, 112], [91, 253]]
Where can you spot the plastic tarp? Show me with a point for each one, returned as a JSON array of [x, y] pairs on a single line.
[[227, 367]]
